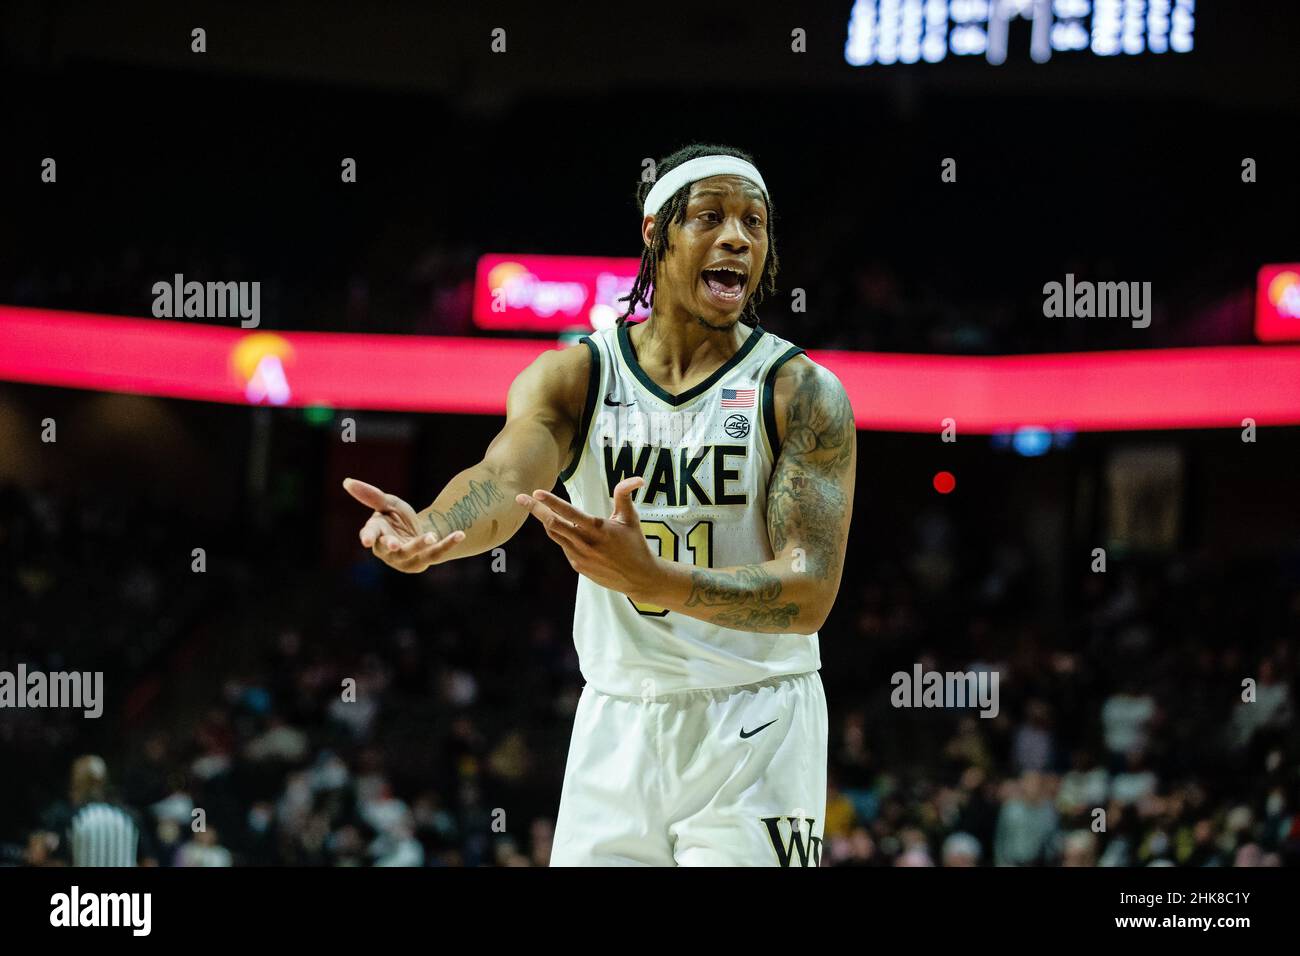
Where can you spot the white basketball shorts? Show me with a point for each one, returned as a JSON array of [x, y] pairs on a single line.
[[733, 776]]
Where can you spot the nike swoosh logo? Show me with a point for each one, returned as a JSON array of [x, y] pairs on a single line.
[[623, 404], [746, 735]]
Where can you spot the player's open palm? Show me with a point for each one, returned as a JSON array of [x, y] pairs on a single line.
[[611, 551], [393, 532]]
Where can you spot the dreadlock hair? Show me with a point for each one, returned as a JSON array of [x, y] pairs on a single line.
[[673, 212]]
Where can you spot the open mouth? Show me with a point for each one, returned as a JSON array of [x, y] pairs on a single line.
[[726, 285]]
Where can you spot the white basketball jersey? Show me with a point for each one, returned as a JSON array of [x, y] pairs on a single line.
[[706, 456]]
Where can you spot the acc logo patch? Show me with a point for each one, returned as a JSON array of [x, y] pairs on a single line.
[[737, 426]]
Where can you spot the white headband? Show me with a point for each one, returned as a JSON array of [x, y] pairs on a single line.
[[696, 169]]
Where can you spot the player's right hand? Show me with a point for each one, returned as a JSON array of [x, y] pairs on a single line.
[[393, 533]]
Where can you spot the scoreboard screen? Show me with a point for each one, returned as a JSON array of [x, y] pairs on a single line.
[[885, 32]]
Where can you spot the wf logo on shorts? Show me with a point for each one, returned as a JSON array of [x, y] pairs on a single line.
[[787, 836], [923, 688]]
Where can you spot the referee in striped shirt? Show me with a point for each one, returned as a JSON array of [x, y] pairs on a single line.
[[93, 830]]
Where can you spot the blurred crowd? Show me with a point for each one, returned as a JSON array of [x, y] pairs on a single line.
[[355, 717]]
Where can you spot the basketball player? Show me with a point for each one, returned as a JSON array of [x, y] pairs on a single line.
[[709, 468]]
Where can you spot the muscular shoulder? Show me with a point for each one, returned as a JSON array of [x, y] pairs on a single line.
[[555, 381], [811, 405]]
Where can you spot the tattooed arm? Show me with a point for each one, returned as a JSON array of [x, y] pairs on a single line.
[[476, 511], [809, 503]]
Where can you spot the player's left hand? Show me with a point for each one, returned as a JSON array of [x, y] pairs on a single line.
[[611, 551]]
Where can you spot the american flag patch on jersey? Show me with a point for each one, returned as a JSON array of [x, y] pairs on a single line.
[[738, 398]]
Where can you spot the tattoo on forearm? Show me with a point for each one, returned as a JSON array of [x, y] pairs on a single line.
[[462, 514], [805, 498], [746, 597]]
